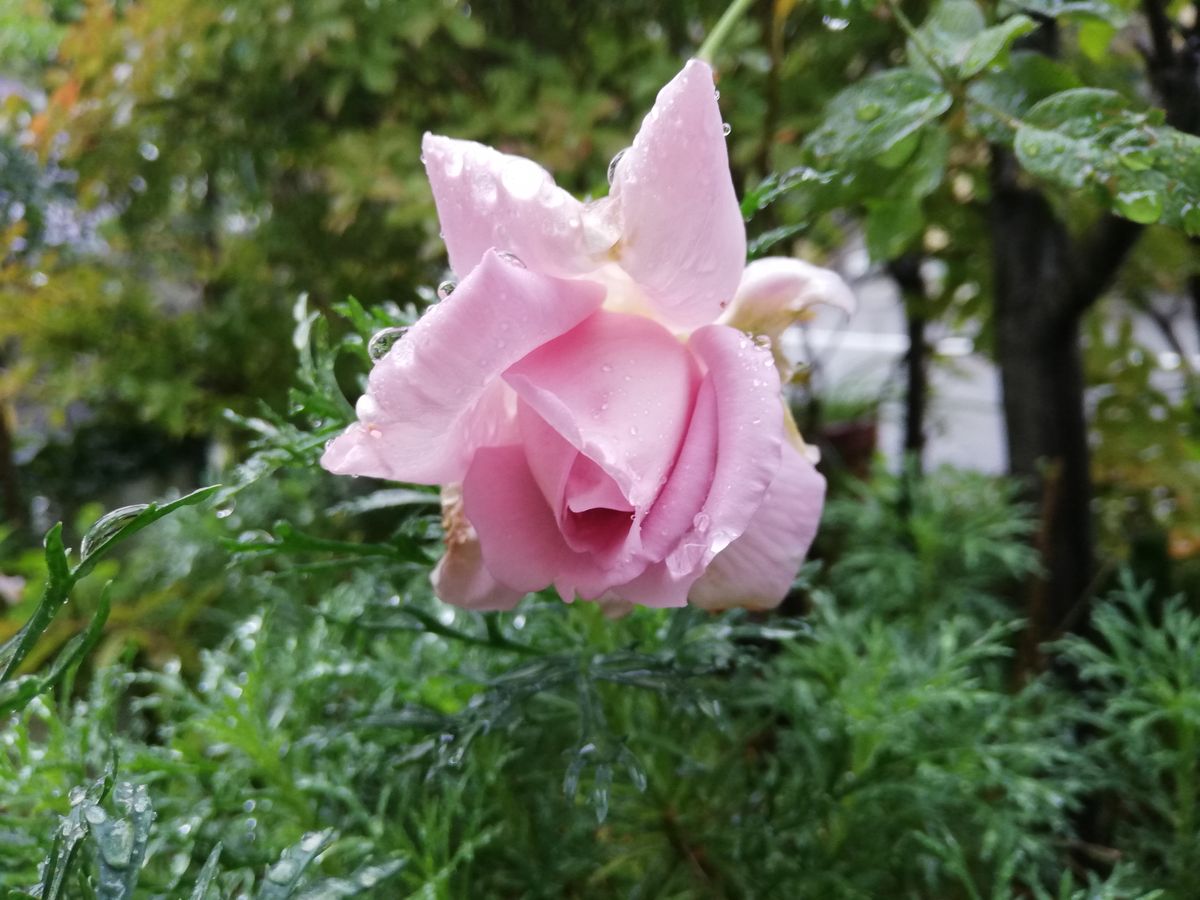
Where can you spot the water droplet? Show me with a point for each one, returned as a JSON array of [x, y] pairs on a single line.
[[117, 846], [283, 871], [612, 166], [108, 525], [76, 795], [762, 341], [1136, 159], [452, 165], [95, 815], [522, 178], [633, 431], [148, 151], [868, 112], [1143, 207], [312, 841], [484, 187], [701, 522], [445, 289], [716, 94], [1191, 219], [367, 408], [383, 341], [607, 367], [511, 258], [726, 129]]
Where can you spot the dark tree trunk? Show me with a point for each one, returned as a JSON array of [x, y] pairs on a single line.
[[906, 271], [1041, 371]]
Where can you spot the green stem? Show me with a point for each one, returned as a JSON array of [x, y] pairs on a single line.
[[716, 37], [918, 40]]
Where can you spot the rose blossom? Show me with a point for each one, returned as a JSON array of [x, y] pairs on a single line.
[[590, 396]]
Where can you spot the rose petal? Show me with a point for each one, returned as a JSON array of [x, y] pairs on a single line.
[[435, 397], [774, 292], [488, 199], [750, 431], [739, 406], [756, 571], [460, 577], [521, 544], [519, 537], [620, 389], [574, 486], [682, 235]]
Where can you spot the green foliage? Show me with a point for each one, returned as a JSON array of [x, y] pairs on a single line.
[[61, 578], [1087, 137], [1142, 674]]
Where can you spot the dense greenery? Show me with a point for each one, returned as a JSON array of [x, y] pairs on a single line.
[[257, 696]]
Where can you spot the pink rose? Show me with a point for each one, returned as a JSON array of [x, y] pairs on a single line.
[[587, 397]]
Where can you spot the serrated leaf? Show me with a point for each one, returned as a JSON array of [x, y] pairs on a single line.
[[868, 119], [1089, 138]]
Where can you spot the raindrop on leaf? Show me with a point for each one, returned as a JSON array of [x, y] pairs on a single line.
[[868, 112], [1143, 207], [108, 525], [1191, 219]]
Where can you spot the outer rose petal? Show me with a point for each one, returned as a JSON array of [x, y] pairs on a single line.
[[620, 389], [776, 290], [682, 236], [747, 418], [435, 397], [756, 570], [487, 199], [460, 577]]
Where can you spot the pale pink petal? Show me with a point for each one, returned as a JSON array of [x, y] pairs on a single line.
[[775, 292], [619, 388], [460, 577], [756, 570], [712, 496], [436, 396], [592, 513], [488, 199], [682, 236], [523, 547], [750, 430]]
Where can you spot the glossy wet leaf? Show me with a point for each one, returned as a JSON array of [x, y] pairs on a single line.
[[1091, 139], [904, 99]]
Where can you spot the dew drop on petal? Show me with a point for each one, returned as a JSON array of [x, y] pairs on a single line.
[[522, 178], [511, 258], [612, 166], [726, 129], [383, 341], [445, 289]]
